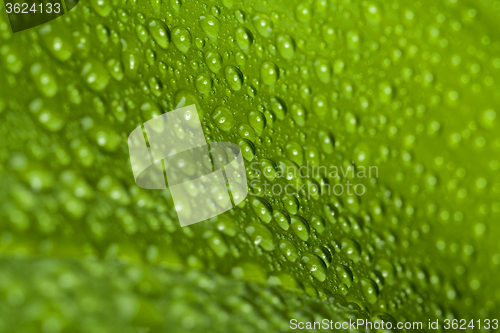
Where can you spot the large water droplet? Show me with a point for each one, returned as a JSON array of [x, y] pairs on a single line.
[[262, 209], [326, 141], [291, 172], [303, 12], [268, 169], [243, 38], [57, 43], [282, 219], [370, 290], [95, 75], [286, 46], [141, 33], [269, 73], [11, 59], [315, 266], [115, 68], [213, 61], [234, 77], [101, 7], [344, 274], [299, 114], [322, 70], [210, 25], [257, 121], [181, 39], [203, 83], [160, 33], [320, 105], [44, 80], [300, 227], [318, 223], [223, 118], [261, 236], [263, 24], [288, 250], [291, 204], [278, 107], [294, 152], [351, 249]]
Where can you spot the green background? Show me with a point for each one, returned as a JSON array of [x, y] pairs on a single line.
[[410, 87]]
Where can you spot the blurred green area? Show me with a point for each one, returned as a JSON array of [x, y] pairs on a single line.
[[409, 87], [88, 295]]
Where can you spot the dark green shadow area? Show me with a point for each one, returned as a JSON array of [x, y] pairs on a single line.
[[70, 4], [26, 14]]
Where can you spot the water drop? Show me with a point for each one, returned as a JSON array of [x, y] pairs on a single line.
[[320, 105], [386, 269], [370, 290], [344, 275], [303, 12], [385, 92], [288, 250], [291, 204], [322, 70], [298, 113], [257, 121], [282, 219], [324, 254], [326, 141], [290, 171], [11, 59], [261, 236], [210, 25], [263, 24], [247, 149], [318, 223], [328, 34], [57, 43], [223, 118], [247, 132], [286, 46], [268, 169], [44, 80], [95, 75], [181, 39], [315, 266], [353, 40], [278, 107], [131, 62], [115, 68], [234, 77], [213, 61], [160, 33], [269, 73], [203, 83], [300, 227], [141, 33], [312, 156], [262, 209], [294, 152], [101, 7], [351, 249], [243, 38]]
